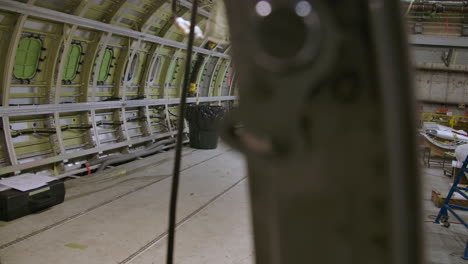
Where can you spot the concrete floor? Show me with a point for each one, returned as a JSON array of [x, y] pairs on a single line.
[[120, 216], [443, 245]]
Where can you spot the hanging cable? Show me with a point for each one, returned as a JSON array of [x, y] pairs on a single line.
[[180, 128], [174, 8], [409, 7]]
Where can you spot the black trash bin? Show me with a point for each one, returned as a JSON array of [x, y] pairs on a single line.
[[203, 122]]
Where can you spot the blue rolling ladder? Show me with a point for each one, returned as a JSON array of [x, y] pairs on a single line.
[[446, 207]]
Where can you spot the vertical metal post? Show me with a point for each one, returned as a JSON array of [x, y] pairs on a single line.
[[168, 82], [339, 57], [68, 34], [6, 81]]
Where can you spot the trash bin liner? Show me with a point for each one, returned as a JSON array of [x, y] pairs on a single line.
[[203, 122]]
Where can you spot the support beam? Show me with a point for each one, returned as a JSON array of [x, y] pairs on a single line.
[[169, 73], [6, 80], [156, 5], [104, 40], [232, 84], [66, 40], [441, 67], [215, 75], [201, 73], [27, 110], [188, 5], [131, 55], [48, 14], [220, 79], [438, 41], [40, 109], [68, 156], [145, 79], [149, 64]]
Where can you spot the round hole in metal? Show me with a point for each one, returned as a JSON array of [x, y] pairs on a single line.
[[282, 33]]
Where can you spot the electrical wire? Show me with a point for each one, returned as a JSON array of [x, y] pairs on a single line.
[[172, 114], [174, 8], [180, 128], [409, 7]]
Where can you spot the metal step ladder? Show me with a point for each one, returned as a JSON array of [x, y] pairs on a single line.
[[446, 207]]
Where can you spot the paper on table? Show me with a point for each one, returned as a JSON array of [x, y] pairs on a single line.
[[26, 182], [458, 196], [4, 188]]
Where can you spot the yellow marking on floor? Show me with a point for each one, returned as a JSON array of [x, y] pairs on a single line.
[[77, 246], [120, 172], [455, 58]]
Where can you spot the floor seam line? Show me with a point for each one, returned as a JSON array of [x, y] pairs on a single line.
[[180, 223], [76, 216]]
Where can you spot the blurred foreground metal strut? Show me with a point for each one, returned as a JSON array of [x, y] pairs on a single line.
[[334, 187]]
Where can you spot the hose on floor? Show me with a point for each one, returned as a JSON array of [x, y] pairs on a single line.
[[105, 162]]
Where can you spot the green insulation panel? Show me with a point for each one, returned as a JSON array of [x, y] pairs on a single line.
[[105, 65], [72, 62], [27, 58]]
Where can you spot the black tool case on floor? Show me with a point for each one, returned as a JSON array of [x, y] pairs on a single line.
[[15, 204]]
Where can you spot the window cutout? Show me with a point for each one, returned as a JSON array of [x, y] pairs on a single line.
[[155, 70], [105, 65], [72, 62], [27, 58], [133, 68]]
